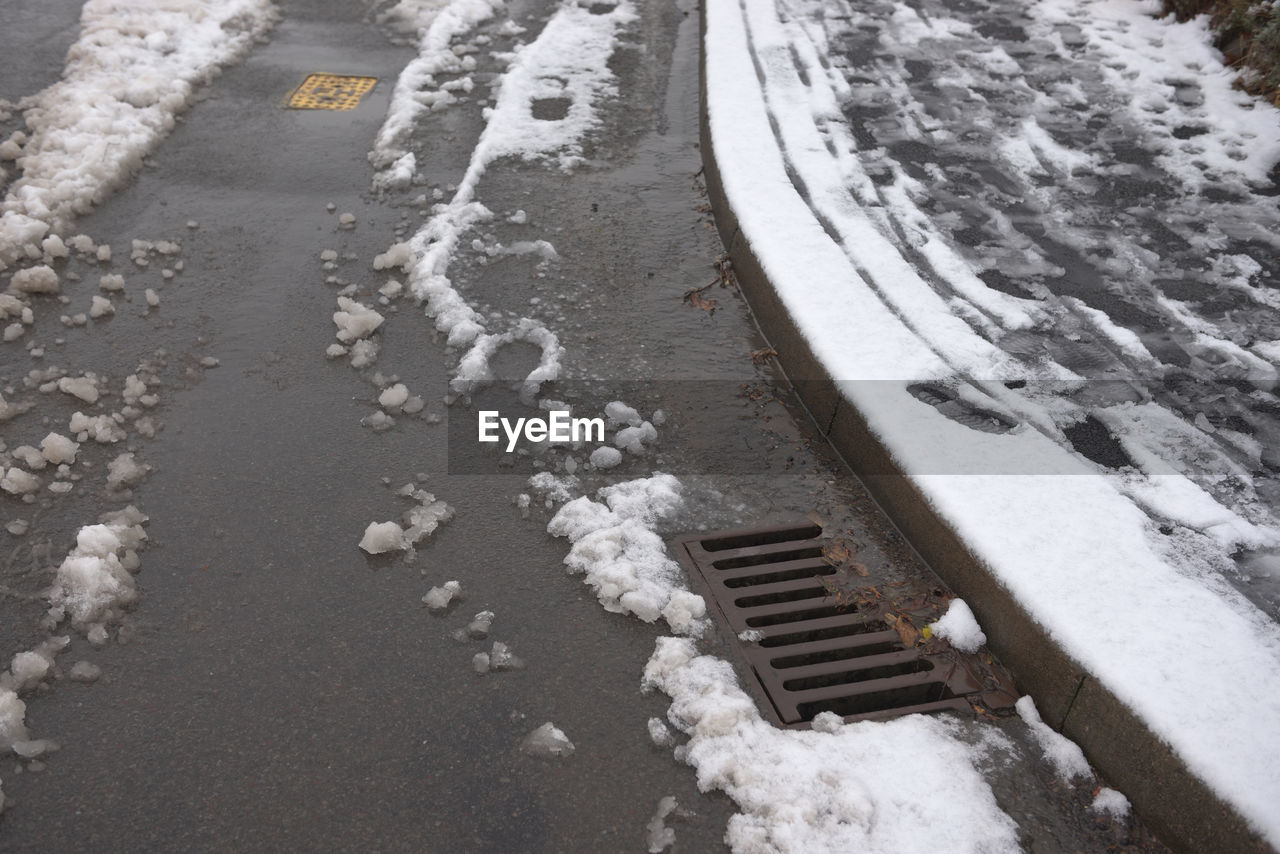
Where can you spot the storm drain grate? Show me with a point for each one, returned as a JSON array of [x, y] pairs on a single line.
[[322, 91], [812, 647]]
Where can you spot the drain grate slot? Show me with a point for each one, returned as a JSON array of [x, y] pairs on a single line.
[[772, 559], [752, 579], [817, 646], [775, 617], [759, 537]]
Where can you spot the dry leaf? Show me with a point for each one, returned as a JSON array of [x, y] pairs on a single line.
[[836, 552], [906, 631], [759, 356]]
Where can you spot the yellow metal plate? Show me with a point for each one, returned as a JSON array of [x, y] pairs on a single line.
[[330, 92]]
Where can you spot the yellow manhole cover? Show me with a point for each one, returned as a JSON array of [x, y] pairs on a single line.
[[330, 92]]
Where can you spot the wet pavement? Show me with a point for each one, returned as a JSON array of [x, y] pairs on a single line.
[[277, 688]]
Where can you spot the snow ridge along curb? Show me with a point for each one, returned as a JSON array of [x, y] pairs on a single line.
[[1186, 812]]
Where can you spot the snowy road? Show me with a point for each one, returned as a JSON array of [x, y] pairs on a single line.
[[264, 684]]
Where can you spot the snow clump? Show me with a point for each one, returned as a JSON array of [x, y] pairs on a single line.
[[439, 598], [1064, 754], [624, 559], [94, 584], [547, 741], [382, 537], [354, 320], [960, 627]]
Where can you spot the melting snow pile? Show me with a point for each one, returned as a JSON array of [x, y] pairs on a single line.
[[1063, 754], [880, 788], [621, 556], [132, 70]]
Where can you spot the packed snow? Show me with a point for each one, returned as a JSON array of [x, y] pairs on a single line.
[[623, 559], [904, 785]]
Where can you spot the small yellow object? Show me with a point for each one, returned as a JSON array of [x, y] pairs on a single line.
[[330, 92], [926, 632]]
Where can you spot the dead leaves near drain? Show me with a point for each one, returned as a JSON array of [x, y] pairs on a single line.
[[760, 356], [697, 297]]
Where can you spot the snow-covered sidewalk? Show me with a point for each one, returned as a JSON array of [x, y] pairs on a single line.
[[1126, 568]]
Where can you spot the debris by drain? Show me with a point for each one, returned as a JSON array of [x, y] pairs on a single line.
[[817, 636]]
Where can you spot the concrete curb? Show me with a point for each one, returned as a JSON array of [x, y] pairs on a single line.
[[1179, 807]]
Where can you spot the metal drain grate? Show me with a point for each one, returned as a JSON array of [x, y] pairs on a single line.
[[322, 91], [815, 648]]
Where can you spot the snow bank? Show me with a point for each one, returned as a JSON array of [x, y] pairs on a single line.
[[133, 68], [880, 788], [621, 556]]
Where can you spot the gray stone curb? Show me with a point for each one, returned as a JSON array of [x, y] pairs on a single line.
[[1180, 808]]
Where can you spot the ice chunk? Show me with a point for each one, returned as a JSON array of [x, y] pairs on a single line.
[[394, 397], [605, 457], [329, 255], [354, 320], [379, 421], [112, 282], [28, 669], [439, 598], [1111, 802], [659, 733], [382, 537], [634, 439], [480, 663], [85, 388], [29, 457], [960, 627], [16, 481], [480, 625], [421, 521], [547, 741], [662, 837], [101, 307], [40, 279], [100, 428], [125, 472], [13, 714], [619, 414], [398, 255], [153, 298], [501, 658], [18, 527], [347, 219], [58, 449]]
